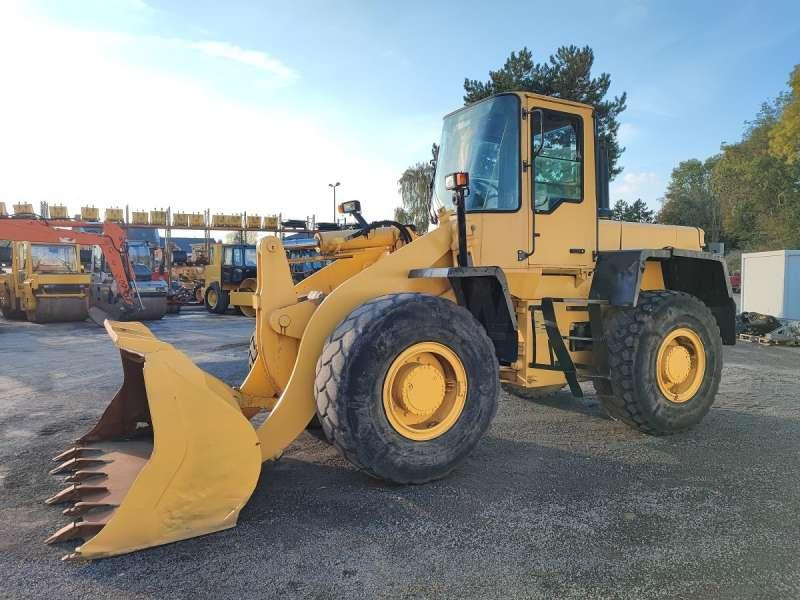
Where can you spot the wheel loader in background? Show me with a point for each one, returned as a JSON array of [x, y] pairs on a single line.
[[230, 278], [45, 283], [400, 346], [231, 268]]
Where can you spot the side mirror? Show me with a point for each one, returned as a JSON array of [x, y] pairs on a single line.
[[350, 207]]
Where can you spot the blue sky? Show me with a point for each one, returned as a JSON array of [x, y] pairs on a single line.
[[256, 106]]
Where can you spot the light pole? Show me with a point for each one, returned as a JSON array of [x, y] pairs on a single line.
[[333, 186]]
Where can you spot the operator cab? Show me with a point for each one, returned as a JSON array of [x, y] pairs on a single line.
[[238, 263]]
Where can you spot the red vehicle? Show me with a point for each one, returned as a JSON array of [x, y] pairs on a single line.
[[736, 282]]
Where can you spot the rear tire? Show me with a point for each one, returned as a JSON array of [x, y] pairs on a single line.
[[252, 351], [359, 357], [635, 392], [216, 300], [9, 312], [13, 315]]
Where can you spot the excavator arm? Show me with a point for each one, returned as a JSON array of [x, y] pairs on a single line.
[[111, 242]]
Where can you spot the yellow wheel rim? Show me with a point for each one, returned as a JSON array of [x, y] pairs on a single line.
[[424, 391], [680, 365], [198, 294], [211, 296]]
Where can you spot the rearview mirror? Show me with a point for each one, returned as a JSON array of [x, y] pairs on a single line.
[[350, 207]]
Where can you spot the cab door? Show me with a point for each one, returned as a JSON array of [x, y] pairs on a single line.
[[562, 199], [487, 139]]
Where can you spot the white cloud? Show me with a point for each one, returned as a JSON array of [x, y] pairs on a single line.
[[81, 125], [646, 185], [251, 58]]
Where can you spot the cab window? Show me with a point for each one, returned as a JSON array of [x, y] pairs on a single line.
[[482, 139], [558, 167], [250, 257], [228, 256], [237, 257]]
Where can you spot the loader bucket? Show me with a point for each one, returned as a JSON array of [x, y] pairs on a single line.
[[172, 456]]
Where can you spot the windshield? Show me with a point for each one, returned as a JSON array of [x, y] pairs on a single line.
[[54, 259], [249, 257], [484, 141], [140, 255]]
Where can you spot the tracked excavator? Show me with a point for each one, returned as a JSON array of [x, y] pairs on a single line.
[[399, 347], [118, 294], [151, 295]]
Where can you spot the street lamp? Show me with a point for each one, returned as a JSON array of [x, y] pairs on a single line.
[[333, 186]]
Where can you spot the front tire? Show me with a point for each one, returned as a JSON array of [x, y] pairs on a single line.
[[406, 386], [665, 362], [216, 299]]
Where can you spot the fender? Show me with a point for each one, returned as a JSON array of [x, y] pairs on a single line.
[[296, 405], [618, 279], [484, 292]]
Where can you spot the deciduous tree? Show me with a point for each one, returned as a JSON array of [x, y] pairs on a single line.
[[784, 136], [758, 192], [689, 199], [414, 185]]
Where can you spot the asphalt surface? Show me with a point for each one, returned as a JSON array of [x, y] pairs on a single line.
[[557, 500]]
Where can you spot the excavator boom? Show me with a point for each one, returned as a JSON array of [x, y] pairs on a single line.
[[111, 242]]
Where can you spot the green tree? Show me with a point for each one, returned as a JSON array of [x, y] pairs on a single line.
[[635, 212], [749, 194], [784, 136], [759, 193], [241, 237], [415, 190], [567, 74], [689, 199]]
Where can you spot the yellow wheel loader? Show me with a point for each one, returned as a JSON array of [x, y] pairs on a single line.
[[399, 346], [229, 279], [45, 283]]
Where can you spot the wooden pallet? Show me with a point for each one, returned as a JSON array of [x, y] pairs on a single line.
[[765, 341]]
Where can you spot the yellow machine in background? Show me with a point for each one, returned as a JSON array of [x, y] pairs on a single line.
[[399, 346], [44, 283], [231, 268]]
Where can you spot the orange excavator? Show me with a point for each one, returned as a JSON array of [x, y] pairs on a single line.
[[112, 242]]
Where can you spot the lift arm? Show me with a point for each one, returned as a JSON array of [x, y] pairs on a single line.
[[112, 242]]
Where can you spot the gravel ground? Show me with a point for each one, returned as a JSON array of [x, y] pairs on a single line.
[[557, 501]]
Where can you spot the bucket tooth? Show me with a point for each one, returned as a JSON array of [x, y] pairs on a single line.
[[77, 464], [75, 452], [86, 475], [76, 529], [81, 508], [76, 491], [72, 556]]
